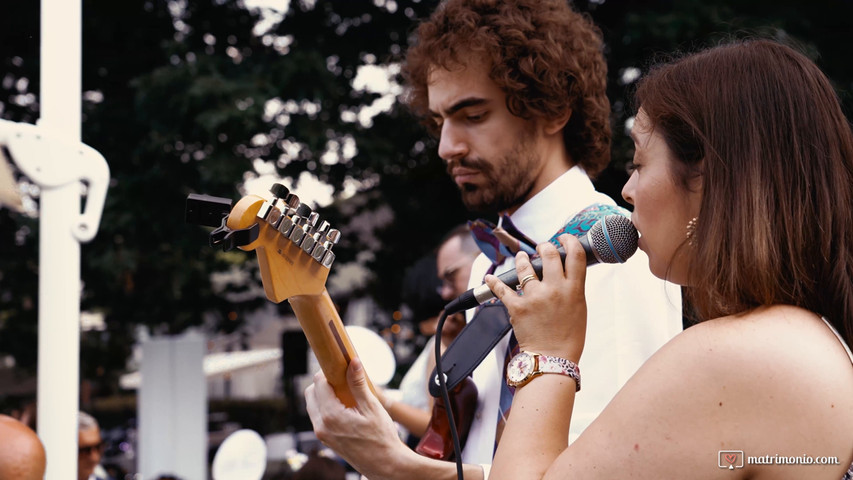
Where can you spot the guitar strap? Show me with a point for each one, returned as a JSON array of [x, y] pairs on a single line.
[[491, 322], [471, 346]]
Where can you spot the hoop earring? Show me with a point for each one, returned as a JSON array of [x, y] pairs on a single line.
[[691, 230]]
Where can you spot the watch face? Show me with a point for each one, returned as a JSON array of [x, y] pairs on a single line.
[[520, 367]]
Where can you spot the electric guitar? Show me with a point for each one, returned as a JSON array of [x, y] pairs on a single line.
[[295, 253]]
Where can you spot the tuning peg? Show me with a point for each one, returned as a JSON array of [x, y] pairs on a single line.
[[274, 216], [308, 243], [291, 201], [311, 223], [324, 239], [328, 259], [322, 230], [319, 236], [297, 233], [300, 219], [264, 211], [286, 225], [333, 236], [279, 191], [319, 251], [303, 210]]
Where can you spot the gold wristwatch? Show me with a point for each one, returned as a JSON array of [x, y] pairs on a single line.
[[526, 365]]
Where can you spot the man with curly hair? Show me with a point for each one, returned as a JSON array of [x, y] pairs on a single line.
[[514, 91]]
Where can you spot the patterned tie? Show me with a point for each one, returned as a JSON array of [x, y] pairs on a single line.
[[500, 241], [504, 240]]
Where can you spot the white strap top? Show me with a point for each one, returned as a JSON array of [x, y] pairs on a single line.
[[840, 339], [849, 474]]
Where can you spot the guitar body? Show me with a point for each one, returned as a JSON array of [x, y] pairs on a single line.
[[290, 272], [436, 441]]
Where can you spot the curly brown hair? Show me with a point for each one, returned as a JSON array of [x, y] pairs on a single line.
[[545, 56]]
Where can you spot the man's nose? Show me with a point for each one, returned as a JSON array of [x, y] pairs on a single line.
[[452, 144]]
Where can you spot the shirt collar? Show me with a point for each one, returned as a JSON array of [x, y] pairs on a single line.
[[569, 193]]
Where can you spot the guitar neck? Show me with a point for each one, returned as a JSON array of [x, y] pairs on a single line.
[[328, 339]]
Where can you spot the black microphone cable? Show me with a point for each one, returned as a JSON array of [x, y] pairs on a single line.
[[445, 395]]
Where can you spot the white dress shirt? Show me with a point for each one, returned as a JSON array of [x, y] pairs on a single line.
[[630, 314], [413, 386]]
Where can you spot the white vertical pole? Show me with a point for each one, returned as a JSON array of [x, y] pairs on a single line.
[[155, 406], [172, 408], [59, 257]]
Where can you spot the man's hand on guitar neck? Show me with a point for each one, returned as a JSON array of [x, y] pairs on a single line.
[[366, 432], [363, 432]]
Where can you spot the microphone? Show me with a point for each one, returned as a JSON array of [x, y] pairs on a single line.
[[613, 239]]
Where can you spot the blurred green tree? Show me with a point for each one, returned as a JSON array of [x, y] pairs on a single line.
[[201, 96]]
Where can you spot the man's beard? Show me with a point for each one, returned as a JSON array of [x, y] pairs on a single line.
[[508, 180]]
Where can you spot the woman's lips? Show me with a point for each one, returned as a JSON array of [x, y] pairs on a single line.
[[639, 235]]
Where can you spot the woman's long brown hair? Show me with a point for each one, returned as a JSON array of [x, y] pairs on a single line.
[[763, 127]]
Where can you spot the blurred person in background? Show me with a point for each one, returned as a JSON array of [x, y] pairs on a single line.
[[90, 449], [444, 281]]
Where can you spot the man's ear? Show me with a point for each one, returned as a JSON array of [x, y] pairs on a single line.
[[556, 124]]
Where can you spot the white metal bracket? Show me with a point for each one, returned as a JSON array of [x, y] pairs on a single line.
[[52, 161]]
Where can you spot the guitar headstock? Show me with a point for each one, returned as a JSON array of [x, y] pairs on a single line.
[[294, 254], [294, 248]]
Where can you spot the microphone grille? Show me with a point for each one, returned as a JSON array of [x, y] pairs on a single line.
[[614, 238]]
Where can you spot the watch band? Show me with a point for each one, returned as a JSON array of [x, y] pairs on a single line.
[[562, 366], [520, 370]]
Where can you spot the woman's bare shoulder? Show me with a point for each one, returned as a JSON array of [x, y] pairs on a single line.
[[745, 382], [770, 343], [776, 333]]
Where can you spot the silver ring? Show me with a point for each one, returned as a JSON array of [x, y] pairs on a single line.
[[524, 281]]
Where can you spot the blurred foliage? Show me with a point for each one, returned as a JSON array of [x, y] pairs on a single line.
[[639, 33], [188, 96]]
